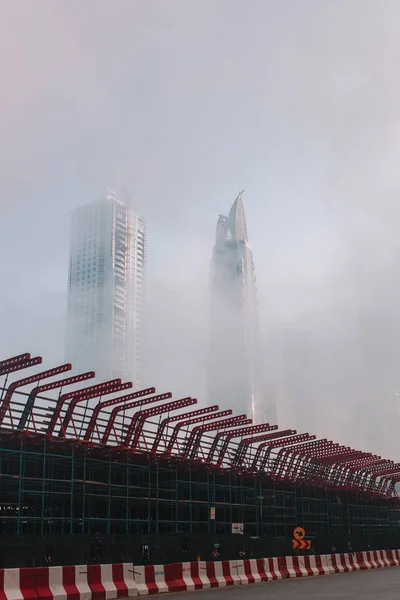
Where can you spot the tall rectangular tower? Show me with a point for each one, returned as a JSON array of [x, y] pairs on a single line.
[[234, 357], [105, 290]]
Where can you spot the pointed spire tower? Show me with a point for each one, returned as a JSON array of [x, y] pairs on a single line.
[[233, 371]]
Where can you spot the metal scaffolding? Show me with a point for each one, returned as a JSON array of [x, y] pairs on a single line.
[[96, 460]]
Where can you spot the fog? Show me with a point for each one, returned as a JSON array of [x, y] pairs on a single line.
[[184, 104]]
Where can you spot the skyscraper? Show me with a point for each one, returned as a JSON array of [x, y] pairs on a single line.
[[106, 286], [234, 359]]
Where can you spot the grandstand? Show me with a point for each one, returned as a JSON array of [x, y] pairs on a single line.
[[104, 472]]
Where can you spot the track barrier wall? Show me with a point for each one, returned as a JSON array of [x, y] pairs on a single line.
[[46, 551], [107, 582]]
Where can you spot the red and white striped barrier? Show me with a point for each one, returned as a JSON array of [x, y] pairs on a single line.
[[195, 576], [379, 559], [371, 560], [77, 582], [317, 564], [174, 577], [393, 558], [250, 570], [255, 570], [230, 572], [217, 574], [363, 561], [49, 583], [237, 568], [344, 563], [295, 566], [326, 564], [109, 582], [14, 584], [384, 558], [100, 582], [307, 566], [150, 579], [104, 582], [272, 569], [124, 581]]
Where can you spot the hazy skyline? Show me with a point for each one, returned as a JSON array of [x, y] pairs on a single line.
[[184, 104]]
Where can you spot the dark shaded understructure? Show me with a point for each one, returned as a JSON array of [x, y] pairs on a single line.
[[103, 474]]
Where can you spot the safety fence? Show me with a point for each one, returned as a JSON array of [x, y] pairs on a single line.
[[106, 582], [82, 549]]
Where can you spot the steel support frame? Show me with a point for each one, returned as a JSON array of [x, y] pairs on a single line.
[[5, 406], [319, 463], [107, 403], [118, 409]]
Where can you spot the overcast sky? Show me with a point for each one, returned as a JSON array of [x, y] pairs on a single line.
[[184, 103]]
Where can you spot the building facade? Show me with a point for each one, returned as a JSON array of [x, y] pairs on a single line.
[[235, 359], [107, 271]]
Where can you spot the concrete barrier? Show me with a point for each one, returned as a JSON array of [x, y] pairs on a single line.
[[391, 556], [326, 563], [376, 557], [313, 564], [296, 567], [49, 584], [94, 577], [230, 578], [196, 574], [384, 558], [123, 579], [272, 569], [216, 575], [150, 579], [251, 573], [174, 577], [237, 572], [344, 563], [109, 582], [10, 582]]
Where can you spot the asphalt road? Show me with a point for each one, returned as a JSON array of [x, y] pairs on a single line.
[[365, 585]]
